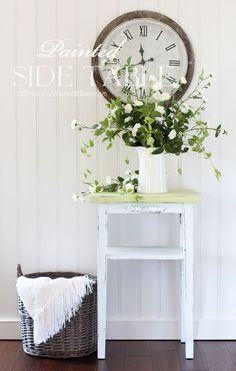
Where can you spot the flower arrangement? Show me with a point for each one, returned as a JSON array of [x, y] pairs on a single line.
[[123, 185], [156, 120]]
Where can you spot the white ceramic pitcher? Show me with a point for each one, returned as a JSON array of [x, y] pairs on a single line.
[[152, 171]]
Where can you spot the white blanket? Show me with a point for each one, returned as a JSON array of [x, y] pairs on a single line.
[[51, 302]]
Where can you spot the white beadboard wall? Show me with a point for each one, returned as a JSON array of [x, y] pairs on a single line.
[[41, 166]]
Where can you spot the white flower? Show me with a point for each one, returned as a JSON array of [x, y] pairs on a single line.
[[113, 111], [99, 126], [128, 108], [92, 188], [160, 109], [191, 121], [157, 95], [128, 172], [159, 119], [132, 140], [152, 78], [135, 129], [129, 188], [171, 115], [172, 134], [184, 108], [81, 198], [74, 197], [73, 124], [138, 103], [175, 85], [127, 119], [157, 86], [165, 96], [183, 80], [108, 180]]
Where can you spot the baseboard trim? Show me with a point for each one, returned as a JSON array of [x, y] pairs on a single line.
[[170, 329], [10, 329], [224, 329]]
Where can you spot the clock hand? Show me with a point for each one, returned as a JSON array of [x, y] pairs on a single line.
[[141, 51], [149, 60], [143, 62]]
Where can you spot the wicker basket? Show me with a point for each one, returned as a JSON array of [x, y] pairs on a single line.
[[77, 339]]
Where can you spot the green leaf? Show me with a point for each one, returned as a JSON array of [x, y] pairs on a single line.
[[217, 173], [129, 61], [158, 151], [109, 146], [127, 160]]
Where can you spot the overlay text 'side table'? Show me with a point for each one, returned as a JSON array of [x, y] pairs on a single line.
[[179, 202]]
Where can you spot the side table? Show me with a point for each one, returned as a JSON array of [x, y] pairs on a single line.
[[180, 202]]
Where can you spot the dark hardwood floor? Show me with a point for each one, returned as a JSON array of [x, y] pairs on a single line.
[[129, 356]]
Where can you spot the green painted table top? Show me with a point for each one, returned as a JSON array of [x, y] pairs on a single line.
[[179, 196]]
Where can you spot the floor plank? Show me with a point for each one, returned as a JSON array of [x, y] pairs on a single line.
[[163, 344], [137, 348], [217, 356], [231, 346], [165, 360], [115, 357], [196, 364], [138, 363], [128, 356]]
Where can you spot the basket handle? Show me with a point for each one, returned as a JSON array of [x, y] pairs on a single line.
[[19, 271]]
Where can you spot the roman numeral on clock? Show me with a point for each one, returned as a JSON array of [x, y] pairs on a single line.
[[170, 78], [174, 62], [126, 89], [170, 47], [114, 44], [128, 34], [143, 31]]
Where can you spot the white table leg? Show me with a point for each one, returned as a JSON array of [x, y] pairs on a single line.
[[183, 294], [188, 239], [102, 279]]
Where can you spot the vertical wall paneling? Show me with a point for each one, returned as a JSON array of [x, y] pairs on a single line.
[[41, 166], [228, 152], [209, 186], [66, 107], [8, 170], [86, 113], [26, 140], [47, 140]]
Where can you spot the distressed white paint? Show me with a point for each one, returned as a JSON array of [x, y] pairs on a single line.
[[41, 167], [183, 253]]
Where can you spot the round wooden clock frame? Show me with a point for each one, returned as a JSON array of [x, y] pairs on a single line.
[[148, 15]]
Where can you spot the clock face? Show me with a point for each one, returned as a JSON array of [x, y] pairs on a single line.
[[157, 46]]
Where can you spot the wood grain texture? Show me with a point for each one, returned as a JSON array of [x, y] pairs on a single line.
[[164, 360], [127, 356]]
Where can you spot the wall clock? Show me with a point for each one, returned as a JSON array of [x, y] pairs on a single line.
[[157, 45]]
